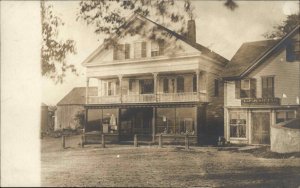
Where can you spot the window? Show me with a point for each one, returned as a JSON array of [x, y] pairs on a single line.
[[180, 84], [268, 87], [293, 51], [216, 91], [282, 116], [131, 84], [140, 49], [245, 88], [147, 86], [166, 85], [237, 124], [175, 121], [119, 52], [157, 49]]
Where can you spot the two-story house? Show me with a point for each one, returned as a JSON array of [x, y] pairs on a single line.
[[261, 88], [150, 87]]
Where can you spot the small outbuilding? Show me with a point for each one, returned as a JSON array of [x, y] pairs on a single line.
[[71, 108], [44, 117]]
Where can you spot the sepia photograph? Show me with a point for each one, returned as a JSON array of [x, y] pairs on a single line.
[[150, 93]]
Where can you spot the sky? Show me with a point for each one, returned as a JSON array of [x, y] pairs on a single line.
[[217, 28]]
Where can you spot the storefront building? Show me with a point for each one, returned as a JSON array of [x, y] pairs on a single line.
[[261, 88], [148, 88]]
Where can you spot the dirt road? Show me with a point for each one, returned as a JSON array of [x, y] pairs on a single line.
[[150, 166]]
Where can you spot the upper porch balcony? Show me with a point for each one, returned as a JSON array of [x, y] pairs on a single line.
[[149, 98], [187, 87]]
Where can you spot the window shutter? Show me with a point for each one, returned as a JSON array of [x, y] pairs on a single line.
[[237, 89], [144, 49], [115, 52], [252, 88], [290, 52], [127, 51], [166, 85], [161, 48]]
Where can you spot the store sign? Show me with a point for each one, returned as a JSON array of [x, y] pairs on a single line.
[[261, 101]]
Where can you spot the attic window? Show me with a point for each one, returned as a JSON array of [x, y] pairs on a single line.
[[157, 49], [293, 51], [119, 52]]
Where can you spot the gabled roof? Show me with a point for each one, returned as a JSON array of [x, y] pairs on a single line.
[[77, 96], [205, 51], [251, 54]]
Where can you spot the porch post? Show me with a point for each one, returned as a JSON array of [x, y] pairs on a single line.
[[197, 82], [153, 124], [155, 85], [120, 81], [87, 90]]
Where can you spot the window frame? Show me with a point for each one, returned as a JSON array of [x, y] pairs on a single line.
[[267, 88], [237, 124]]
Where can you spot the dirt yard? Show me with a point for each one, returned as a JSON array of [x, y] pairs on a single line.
[[171, 166]]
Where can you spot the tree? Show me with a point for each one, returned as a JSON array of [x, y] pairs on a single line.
[[285, 27], [109, 17], [54, 51]]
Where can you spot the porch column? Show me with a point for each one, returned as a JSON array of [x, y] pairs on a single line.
[[86, 120], [87, 90], [197, 82], [153, 124], [120, 81], [155, 84]]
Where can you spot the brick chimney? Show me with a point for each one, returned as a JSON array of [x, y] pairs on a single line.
[[191, 30]]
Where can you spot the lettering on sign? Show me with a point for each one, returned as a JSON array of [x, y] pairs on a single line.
[[261, 101]]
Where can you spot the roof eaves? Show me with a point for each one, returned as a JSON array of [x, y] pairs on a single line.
[[257, 61]]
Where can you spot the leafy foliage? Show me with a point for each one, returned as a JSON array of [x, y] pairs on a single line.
[[54, 51], [288, 25], [109, 17]]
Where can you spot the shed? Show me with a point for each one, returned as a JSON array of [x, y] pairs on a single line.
[[68, 107]]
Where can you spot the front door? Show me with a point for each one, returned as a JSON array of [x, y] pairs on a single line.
[[261, 128]]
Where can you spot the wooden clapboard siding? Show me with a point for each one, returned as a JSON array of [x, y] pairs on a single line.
[[65, 116], [286, 78]]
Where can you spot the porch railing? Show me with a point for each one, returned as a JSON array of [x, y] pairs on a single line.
[[138, 98], [104, 99], [149, 98], [177, 97]]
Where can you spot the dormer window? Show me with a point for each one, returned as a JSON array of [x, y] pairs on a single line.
[[293, 51]]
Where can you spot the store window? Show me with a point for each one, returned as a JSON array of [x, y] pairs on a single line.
[[185, 121], [94, 120], [237, 124], [165, 121], [109, 120], [282, 116]]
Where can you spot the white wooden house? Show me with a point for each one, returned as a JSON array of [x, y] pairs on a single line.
[[148, 87], [262, 88]]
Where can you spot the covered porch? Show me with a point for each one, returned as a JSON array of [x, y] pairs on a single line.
[[121, 122]]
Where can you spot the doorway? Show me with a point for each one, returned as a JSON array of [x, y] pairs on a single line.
[[261, 128], [136, 121]]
